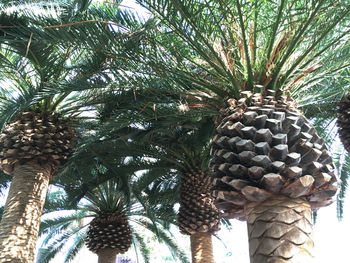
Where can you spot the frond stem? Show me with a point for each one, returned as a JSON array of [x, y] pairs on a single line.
[[250, 80]]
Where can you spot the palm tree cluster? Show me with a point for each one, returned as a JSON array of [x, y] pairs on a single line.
[[186, 116]]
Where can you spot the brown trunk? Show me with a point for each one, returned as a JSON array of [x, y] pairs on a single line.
[[202, 248], [280, 230], [21, 219], [107, 255]]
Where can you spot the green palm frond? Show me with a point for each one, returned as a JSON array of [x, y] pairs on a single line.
[[343, 165], [46, 254], [72, 23], [244, 43], [55, 201], [176, 250], [4, 182], [159, 171], [45, 76], [176, 142], [320, 101], [106, 197], [74, 249], [139, 244], [138, 145], [59, 224], [217, 47], [26, 86], [95, 163], [168, 192]]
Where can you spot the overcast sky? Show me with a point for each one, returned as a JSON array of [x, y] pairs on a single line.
[[330, 236]]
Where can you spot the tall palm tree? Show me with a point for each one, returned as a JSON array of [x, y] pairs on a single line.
[[37, 113], [247, 59]]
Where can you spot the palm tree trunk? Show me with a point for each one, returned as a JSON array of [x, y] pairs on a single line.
[[280, 230], [21, 219], [202, 248], [107, 255]]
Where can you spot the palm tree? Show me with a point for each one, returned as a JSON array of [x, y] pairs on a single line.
[[247, 59], [181, 154], [37, 113], [107, 225]]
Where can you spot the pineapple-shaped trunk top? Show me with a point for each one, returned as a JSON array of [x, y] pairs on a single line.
[[265, 147], [35, 136], [197, 213], [109, 231]]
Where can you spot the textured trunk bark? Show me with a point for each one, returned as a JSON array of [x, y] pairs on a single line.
[[107, 255], [280, 230], [202, 248], [19, 226]]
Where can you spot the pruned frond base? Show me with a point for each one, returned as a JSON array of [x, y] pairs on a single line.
[[109, 231], [265, 147], [197, 211], [35, 137]]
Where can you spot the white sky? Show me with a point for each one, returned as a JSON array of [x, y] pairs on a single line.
[[330, 236]]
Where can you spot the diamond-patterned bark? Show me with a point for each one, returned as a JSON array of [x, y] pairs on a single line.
[[343, 122], [110, 231], [280, 230], [34, 136], [265, 147], [197, 211]]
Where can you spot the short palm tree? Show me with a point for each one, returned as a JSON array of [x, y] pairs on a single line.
[[105, 223]]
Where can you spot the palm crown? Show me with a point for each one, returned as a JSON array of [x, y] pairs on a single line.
[[241, 44]]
